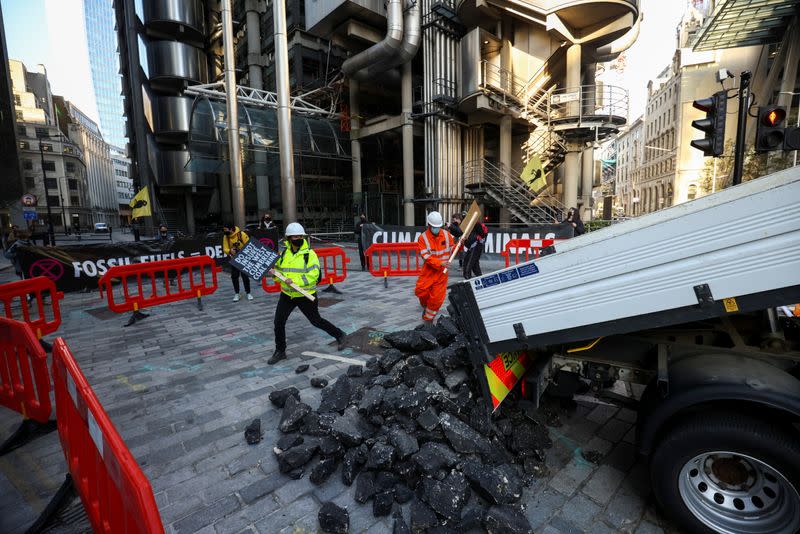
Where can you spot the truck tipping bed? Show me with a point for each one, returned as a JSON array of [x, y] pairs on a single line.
[[736, 250]]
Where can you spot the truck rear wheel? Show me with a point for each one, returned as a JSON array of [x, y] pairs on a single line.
[[731, 473]]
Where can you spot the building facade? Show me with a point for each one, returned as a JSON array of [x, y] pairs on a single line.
[[11, 192], [124, 184], [53, 167], [630, 156], [104, 61]]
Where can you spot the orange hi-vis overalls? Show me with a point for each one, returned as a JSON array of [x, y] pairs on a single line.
[[431, 286]]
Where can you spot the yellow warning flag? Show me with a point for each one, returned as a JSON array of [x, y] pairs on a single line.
[[141, 204], [533, 174]]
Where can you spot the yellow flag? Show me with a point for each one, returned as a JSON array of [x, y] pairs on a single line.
[[141, 204], [533, 174]]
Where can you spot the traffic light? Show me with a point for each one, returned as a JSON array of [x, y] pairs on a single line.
[[770, 133], [713, 125], [792, 138]]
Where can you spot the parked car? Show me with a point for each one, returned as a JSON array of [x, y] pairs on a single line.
[[100, 228]]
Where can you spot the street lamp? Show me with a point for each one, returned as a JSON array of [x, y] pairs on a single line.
[[797, 123], [50, 232]]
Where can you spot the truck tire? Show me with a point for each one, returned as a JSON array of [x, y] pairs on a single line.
[[731, 473]]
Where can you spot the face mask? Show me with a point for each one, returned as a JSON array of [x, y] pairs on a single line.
[[297, 242], [435, 231], [227, 232]]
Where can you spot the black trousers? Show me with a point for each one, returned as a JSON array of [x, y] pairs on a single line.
[[310, 309], [235, 273], [361, 255], [472, 261]]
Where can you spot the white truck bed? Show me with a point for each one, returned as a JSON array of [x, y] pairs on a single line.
[[742, 241]]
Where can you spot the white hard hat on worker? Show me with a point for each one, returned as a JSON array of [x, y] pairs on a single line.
[[295, 229], [435, 221]]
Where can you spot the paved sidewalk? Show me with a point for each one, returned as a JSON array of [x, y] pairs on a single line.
[[182, 385]]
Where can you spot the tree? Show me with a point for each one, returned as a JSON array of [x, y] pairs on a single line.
[[754, 166]]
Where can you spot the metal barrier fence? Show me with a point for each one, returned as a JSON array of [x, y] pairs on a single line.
[[393, 259], [24, 382], [116, 495], [14, 297], [159, 282], [517, 248]]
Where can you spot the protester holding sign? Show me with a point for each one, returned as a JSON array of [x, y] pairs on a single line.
[[232, 242], [300, 265], [435, 246]]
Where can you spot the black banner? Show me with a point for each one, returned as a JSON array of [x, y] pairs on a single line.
[[78, 267], [495, 241]]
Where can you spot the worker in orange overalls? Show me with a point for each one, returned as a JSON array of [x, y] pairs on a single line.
[[435, 246]]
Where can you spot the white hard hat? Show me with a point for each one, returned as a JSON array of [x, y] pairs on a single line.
[[435, 219], [295, 229]]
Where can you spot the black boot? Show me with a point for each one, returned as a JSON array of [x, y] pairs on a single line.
[[277, 356]]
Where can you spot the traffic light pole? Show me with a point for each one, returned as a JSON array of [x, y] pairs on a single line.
[[741, 126]]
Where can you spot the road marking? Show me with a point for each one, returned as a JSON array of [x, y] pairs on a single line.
[[333, 357]]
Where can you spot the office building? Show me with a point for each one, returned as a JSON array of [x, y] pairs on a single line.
[[11, 192]]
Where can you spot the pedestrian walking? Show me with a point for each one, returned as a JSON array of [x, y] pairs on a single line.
[[266, 222], [362, 220], [455, 230], [435, 245], [233, 241], [474, 249], [574, 219], [12, 253], [134, 229], [299, 264]]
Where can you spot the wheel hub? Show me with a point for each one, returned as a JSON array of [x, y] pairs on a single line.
[[735, 493]]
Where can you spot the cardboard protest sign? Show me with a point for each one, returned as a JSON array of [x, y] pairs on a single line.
[[255, 259]]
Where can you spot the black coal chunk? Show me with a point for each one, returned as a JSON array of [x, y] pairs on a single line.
[[402, 493], [405, 444], [462, 437], [472, 519], [352, 462], [428, 419], [333, 519], [301, 368], [278, 398], [287, 441], [323, 470], [422, 517], [355, 370], [456, 379], [293, 413], [506, 520], [400, 525], [527, 438], [390, 358], [380, 457], [365, 487], [315, 424], [296, 457], [296, 474], [336, 397], [318, 382], [385, 481], [433, 457], [382, 505], [496, 484], [411, 340], [252, 433], [371, 400], [329, 447], [447, 330], [350, 428], [446, 497], [414, 402], [480, 418], [415, 374]]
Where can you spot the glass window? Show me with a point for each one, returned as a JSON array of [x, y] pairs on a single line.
[[17, 101], [42, 132], [49, 166], [53, 200], [70, 166], [27, 164], [73, 184], [30, 183], [50, 183], [46, 147], [19, 115], [74, 201], [21, 130]]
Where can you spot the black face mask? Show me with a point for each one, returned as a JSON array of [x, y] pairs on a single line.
[[227, 232], [297, 242]]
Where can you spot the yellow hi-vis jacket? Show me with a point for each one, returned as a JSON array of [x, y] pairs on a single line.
[[301, 267], [235, 242]]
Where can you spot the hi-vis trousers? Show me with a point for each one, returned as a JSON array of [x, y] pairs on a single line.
[[431, 290]]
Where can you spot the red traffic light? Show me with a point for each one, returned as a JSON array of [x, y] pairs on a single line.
[[772, 117]]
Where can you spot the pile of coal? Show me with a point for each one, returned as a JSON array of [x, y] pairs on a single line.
[[412, 429]]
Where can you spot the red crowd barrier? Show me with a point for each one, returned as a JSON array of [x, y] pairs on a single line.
[[522, 249], [159, 282], [115, 493], [333, 269], [393, 259], [24, 381], [14, 297]]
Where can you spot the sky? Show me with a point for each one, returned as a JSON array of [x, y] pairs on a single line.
[[51, 32], [44, 31]]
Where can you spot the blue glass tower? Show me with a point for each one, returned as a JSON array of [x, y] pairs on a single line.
[[104, 60]]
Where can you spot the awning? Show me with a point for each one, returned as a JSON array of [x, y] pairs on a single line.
[[736, 23]]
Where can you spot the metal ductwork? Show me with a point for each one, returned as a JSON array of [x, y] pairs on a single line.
[[611, 51], [412, 35], [384, 50]]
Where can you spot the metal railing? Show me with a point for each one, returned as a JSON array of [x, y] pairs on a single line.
[[501, 80], [507, 189], [586, 102]]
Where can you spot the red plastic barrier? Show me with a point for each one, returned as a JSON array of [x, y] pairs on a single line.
[[524, 247], [116, 495], [24, 381], [22, 310], [394, 259], [333, 266], [155, 276]]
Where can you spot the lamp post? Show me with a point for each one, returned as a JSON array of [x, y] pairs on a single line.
[[50, 232], [797, 122]]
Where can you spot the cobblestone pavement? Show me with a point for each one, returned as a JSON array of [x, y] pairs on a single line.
[[182, 385]]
